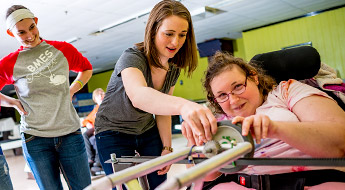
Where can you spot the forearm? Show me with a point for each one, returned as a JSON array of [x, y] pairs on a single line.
[[164, 128], [155, 102], [201, 119], [83, 78], [318, 139], [6, 101], [321, 132]]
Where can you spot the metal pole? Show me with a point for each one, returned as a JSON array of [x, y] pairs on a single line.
[[113, 162], [199, 171], [144, 168]]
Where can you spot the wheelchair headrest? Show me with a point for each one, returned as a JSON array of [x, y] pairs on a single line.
[[296, 63]]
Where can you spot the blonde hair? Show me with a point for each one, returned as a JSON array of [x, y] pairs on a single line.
[[96, 92]]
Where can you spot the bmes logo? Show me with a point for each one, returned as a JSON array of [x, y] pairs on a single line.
[[43, 58]]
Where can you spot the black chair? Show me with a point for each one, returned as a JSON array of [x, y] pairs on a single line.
[[298, 63]]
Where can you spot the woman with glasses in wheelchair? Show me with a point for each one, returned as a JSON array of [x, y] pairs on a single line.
[[287, 120]]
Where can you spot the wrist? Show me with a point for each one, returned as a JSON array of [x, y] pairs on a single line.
[[78, 82], [168, 148]]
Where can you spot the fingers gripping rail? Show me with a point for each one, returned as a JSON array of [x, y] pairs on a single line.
[[193, 174]]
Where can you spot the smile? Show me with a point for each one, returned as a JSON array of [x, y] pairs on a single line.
[[30, 41], [171, 50], [239, 107]]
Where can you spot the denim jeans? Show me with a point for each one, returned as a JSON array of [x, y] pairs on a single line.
[[5, 180], [146, 144], [47, 156], [90, 145]]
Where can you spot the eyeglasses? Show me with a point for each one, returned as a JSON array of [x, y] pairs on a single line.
[[239, 89]]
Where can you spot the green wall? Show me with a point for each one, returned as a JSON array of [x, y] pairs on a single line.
[[99, 80], [191, 88], [239, 48], [326, 31]]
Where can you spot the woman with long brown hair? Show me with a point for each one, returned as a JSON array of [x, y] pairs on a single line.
[[135, 114]]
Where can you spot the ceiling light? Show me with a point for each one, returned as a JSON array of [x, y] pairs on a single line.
[[198, 14], [205, 12], [74, 39], [125, 20], [96, 33], [213, 10], [198, 11]]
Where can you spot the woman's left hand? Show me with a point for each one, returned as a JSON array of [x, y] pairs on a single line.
[[260, 126], [166, 168]]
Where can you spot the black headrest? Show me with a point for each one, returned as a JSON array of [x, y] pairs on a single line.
[[296, 63]]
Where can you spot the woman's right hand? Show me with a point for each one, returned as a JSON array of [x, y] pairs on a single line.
[[260, 126], [199, 123]]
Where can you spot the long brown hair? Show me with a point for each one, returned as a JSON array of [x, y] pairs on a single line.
[[222, 61], [186, 57]]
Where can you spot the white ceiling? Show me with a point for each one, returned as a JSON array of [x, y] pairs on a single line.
[[67, 19]]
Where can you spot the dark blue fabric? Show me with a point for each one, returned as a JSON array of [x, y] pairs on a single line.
[[5, 179], [146, 144], [47, 156]]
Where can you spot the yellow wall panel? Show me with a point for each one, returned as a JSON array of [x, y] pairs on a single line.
[[99, 80], [239, 48], [191, 88]]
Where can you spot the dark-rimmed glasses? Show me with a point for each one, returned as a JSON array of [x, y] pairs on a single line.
[[239, 89]]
